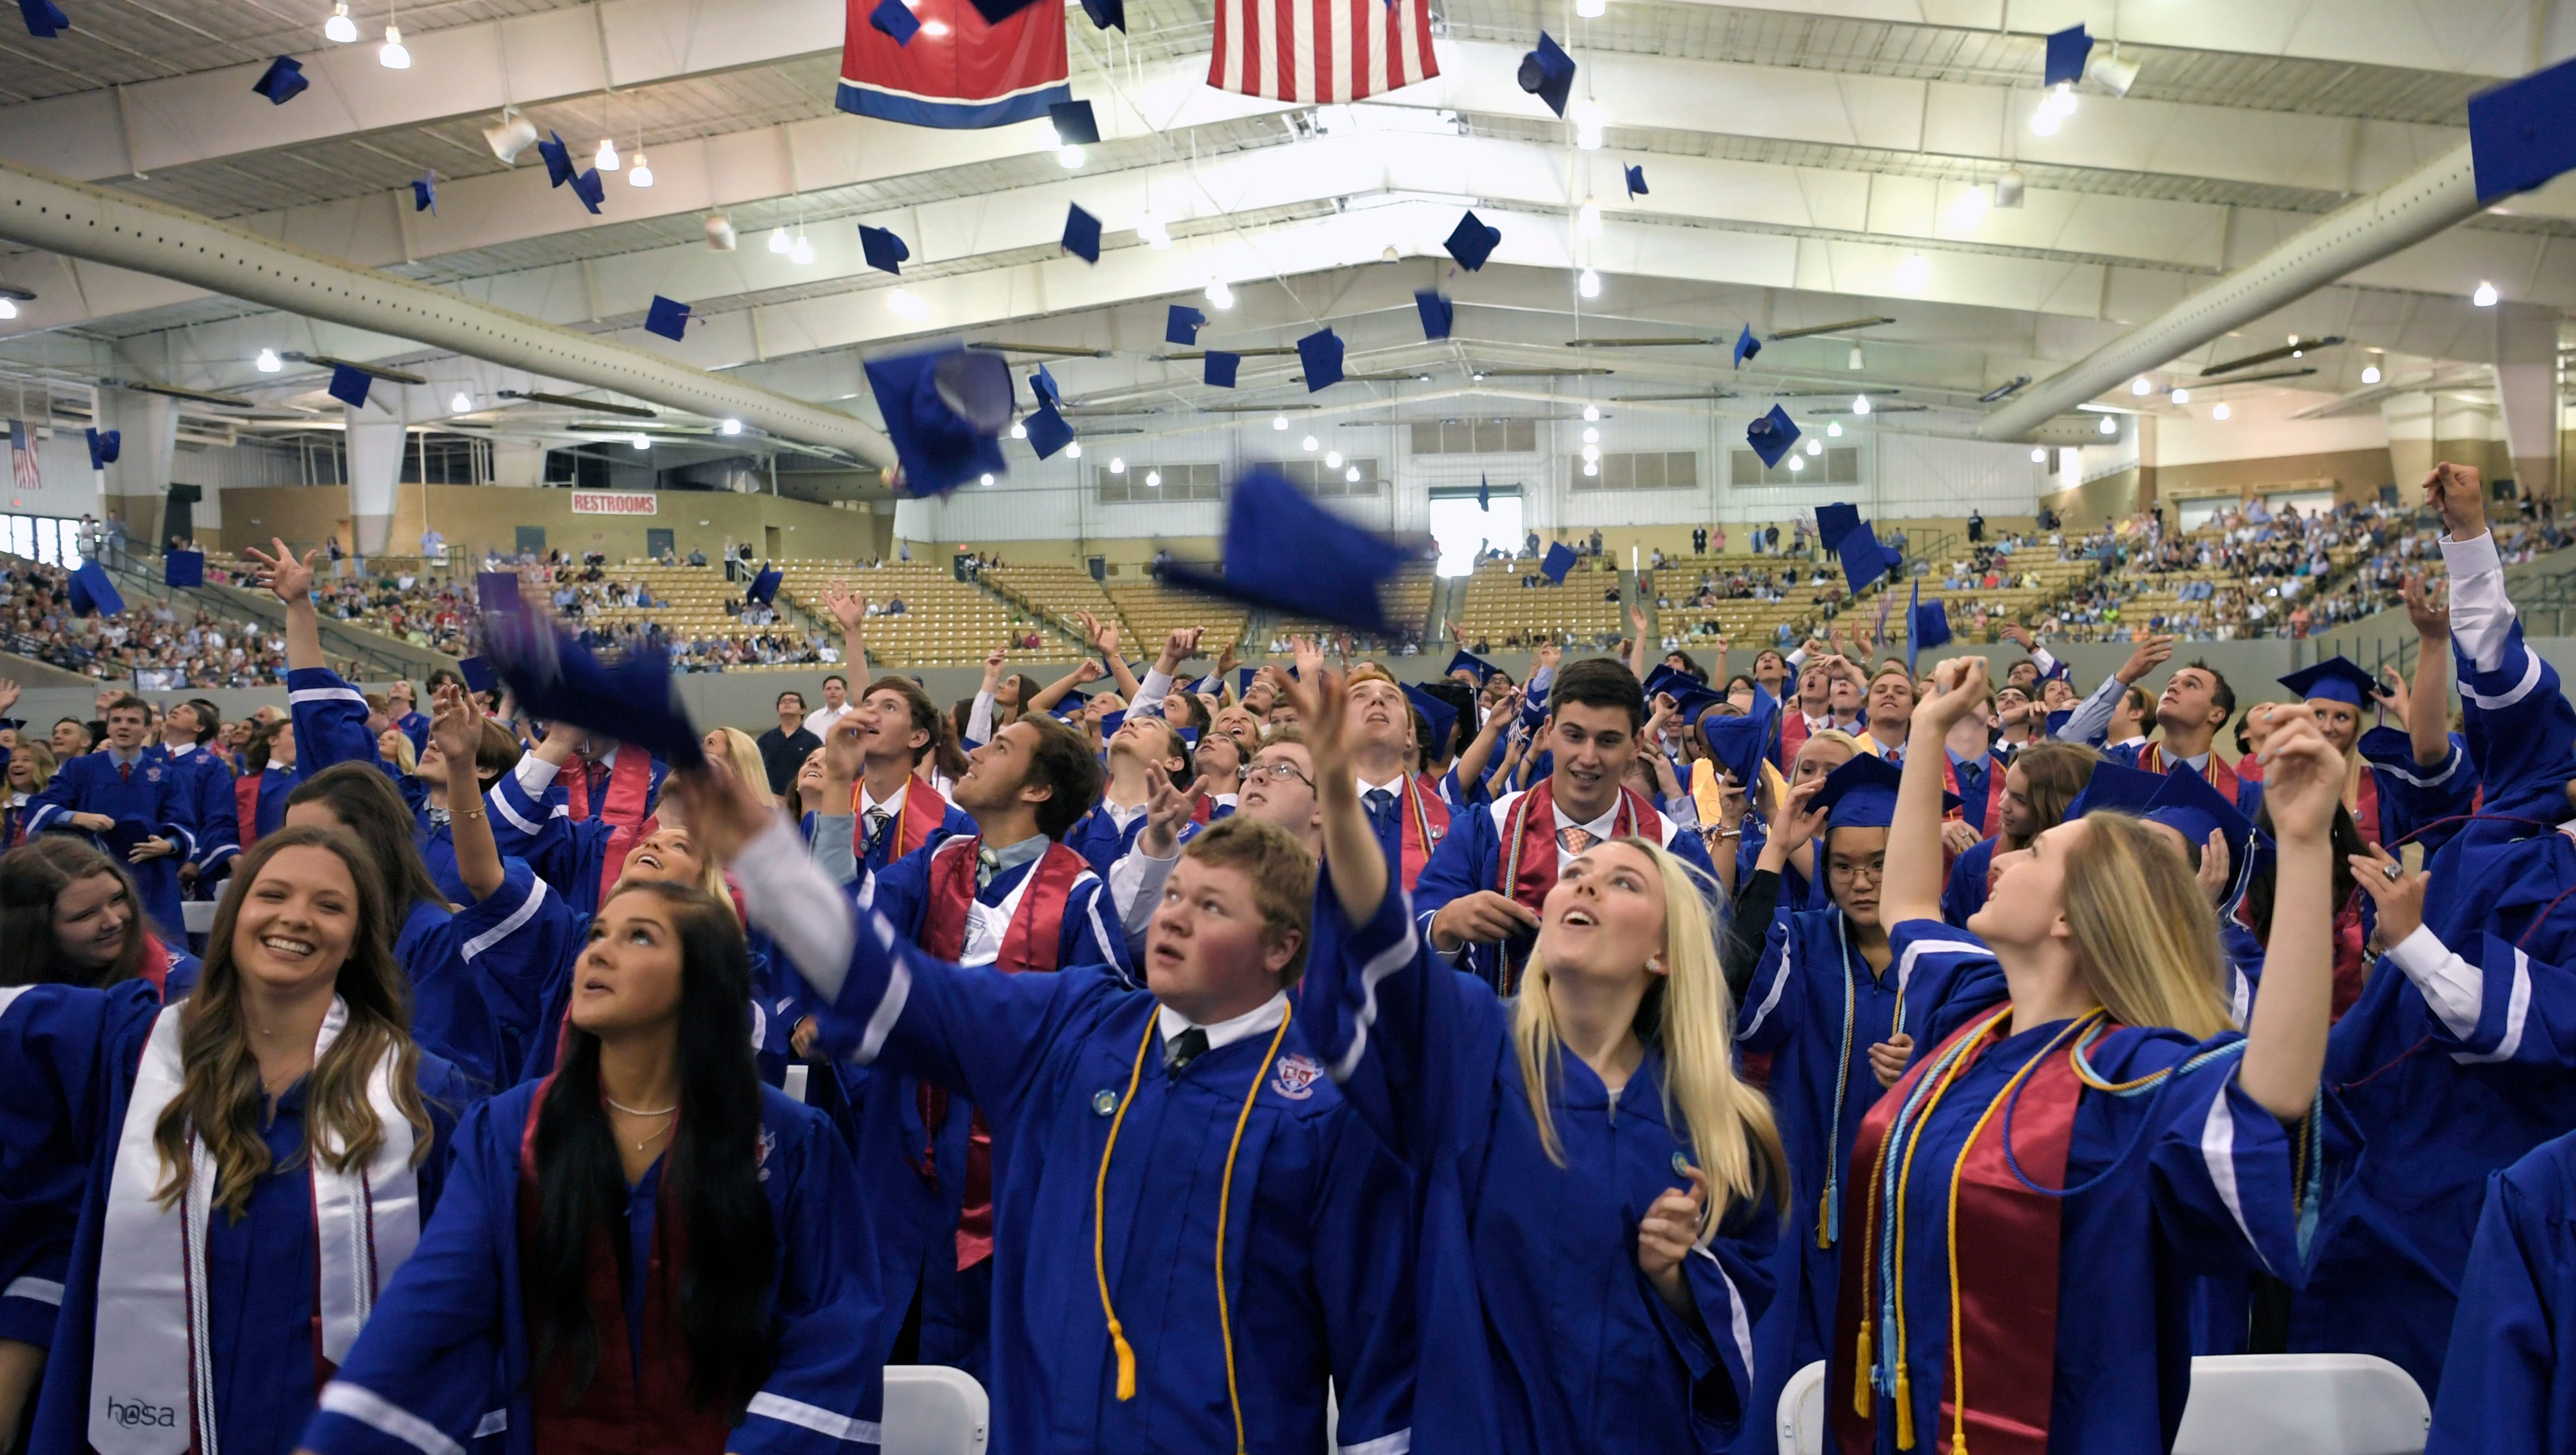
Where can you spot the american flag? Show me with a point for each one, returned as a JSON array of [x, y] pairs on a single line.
[[1321, 50], [22, 457]]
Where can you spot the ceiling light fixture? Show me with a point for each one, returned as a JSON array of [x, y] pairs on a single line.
[[1309, 444], [2061, 99], [802, 252], [1589, 122], [1914, 273], [1853, 360], [641, 174], [1834, 428], [2110, 424], [2370, 374], [1815, 446], [2181, 395], [1797, 463], [721, 237], [1332, 459], [1218, 294], [2043, 122], [1019, 429], [1068, 157], [1591, 9], [1154, 479], [1589, 285], [463, 403], [268, 361], [1591, 412], [730, 427], [2141, 386], [394, 57], [907, 305], [340, 27], [1592, 467], [988, 478], [641, 442], [1278, 421], [510, 135], [606, 158], [1970, 209], [1073, 451], [1860, 404], [1117, 465], [1592, 436], [2485, 297], [1152, 229], [1588, 218], [1591, 452], [2114, 74], [1352, 474], [779, 241], [2008, 189], [2218, 412], [2039, 456]]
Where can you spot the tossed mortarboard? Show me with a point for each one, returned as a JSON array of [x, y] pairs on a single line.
[[1484, 492], [1220, 369], [557, 678], [2184, 802], [1927, 624], [104, 446], [1106, 14], [2523, 132], [944, 410], [1181, 325], [587, 186], [349, 385], [896, 19], [2067, 50], [44, 18], [1472, 241], [558, 158], [92, 593], [1772, 435], [1469, 662], [1111, 722], [1285, 552], [1636, 179], [1075, 125], [1865, 561], [496, 591], [1741, 744], [1043, 385], [1439, 716], [1439, 315], [282, 82], [424, 193], [764, 587], [668, 317], [1048, 432], [884, 251], [1560, 559], [1668, 678], [1321, 353], [2119, 789], [2335, 679], [1070, 706], [1835, 521], [1081, 233], [183, 568], [478, 674], [1548, 73], [1746, 345]]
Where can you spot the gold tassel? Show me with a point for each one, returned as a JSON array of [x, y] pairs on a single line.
[[1904, 1410], [1862, 1405], [1126, 1361]]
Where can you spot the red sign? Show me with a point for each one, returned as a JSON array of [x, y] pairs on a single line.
[[613, 502]]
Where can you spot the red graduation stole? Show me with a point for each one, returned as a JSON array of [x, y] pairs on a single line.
[[245, 808], [2003, 1359], [1528, 868], [622, 806], [1793, 736], [1426, 823], [2365, 805], [1029, 945], [2221, 775], [923, 812], [1995, 768]]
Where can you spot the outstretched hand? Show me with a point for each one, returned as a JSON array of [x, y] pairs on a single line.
[[283, 573], [1166, 809], [1958, 688], [2428, 610], [2399, 895]]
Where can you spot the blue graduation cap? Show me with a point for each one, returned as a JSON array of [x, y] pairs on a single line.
[[1106, 14], [590, 189], [1111, 722], [92, 593], [1081, 233], [1927, 624], [1668, 678], [1472, 241], [885, 252], [1075, 126], [1070, 706], [1221, 367], [497, 591], [944, 410], [1772, 435], [558, 159], [997, 11], [1048, 432], [896, 19], [2119, 789], [2067, 51], [1439, 315], [1321, 353], [1861, 794], [349, 385], [1746, 345], [44, 18], [2335, 679], [1560, 559], [1181, 325], [1484, 493], [183, 568], [668, 317], [1043, 385], [1835, 521], [2523, 133], [1548, 73], [478, 674], [1469, 662], [558, 679], [1740, 744], [1442, 718], [1865, 561], [424, 193], [1636, 179], [104, 446], [2184, 802], [1285, 552], [764, 587], [282, 82]]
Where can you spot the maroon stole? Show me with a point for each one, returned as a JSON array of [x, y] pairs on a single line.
[[620, 1414], [155, 965], [2365, 806], [923, 812], [2003, 1358], [1995, 768], [1029, 945], [2221, 775], [1426, 823], [1525, 870], [621, 806], [1793, 736]]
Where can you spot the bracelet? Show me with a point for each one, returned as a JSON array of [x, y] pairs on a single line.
[[465, 813], [1730, 833]]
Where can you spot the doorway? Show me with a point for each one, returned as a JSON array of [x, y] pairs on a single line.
[[658, 543], [1463, 528]]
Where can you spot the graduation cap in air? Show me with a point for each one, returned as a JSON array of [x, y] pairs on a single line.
[[497, 591], [1636, 180], [283, 81], [1746, 345], [558, 679], [1548, 73], [590, 189], [1043, 385], [1668, 678], [1285, 552], [997, 11], [1220, 368], [1075, 126], [896, 19], [1927, 624], [668, 317], [884, 251], [1070, 706], [558, 158], [183, 568], [764, 587], [478, 674], [1469, 662], [92, 593], [349, 385], [1772, 435], [1560, 559], [1106, 14], [424, 193], [104, 446], [44, 18], [1321, 353], [1741, 744], [2184, 802], [1484, 493], [2335, 679], [1048, 432], [2067, 50], [1439, 315], [1472, 241], [1439, 716], [944, 410], [2523, 133], [1081, 233], [1181, 325]]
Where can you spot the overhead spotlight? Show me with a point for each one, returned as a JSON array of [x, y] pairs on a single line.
[[988, 478], [1592, 452], [1914, 273], [1589, 285], [1797, 463], [2114, 74], [1588, 218], [1592, 436], [1019, 429], [1591, 412], [1853, 360], [641, 174], [1332, 459], [1592, 467], [2218, 412], [779, 241], [642, 442], [938, 28], [2370, 374], [1589, 121], [1352, 474], [2181, 395], [606, 158], [1073, 451], [510, 135], [463, 403], [2110, 424], [2043, 122], [2485, 297], [1970, 209], [1154, 479], [1476, 376], [1591, 9], [1309, 444], [1068, 157], [907, 305], [2141, 386], [1218, 294], [8, 306], [340, 27], [1860, 404], [1117, 465], [1815, 446], [721, 237], [1278, 421], [2008, 188], [802, 252], [394, 57], [1834, 428], [268, 361], [1154, 231], [2062, 99], [2039, 456], [730, 427]]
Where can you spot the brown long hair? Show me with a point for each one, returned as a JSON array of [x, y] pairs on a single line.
[[34, 875], [2052, 774], [221, 1098]]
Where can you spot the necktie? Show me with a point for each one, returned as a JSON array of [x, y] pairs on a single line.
[[124, 772], [1574, 840], [596, 778], [987, 864], [1186, 1047], [1381, 807], [876, 821]]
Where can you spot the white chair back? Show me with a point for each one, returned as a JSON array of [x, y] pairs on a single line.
[[1801, 1418], [2302, 1404], [931, 1409], [197, 916]]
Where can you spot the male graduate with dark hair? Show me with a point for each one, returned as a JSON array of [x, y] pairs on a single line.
[[137, 808], [185, 729], [898, 813]]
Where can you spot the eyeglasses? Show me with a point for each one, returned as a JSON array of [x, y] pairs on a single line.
[[1278, 771], [1874, 873]]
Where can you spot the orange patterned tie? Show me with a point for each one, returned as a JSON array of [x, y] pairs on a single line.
[[1574, 840]]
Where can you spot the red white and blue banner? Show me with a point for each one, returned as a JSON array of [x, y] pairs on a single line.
[[959, 71], [1321, 50]]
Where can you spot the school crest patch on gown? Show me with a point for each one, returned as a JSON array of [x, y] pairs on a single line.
[[1297, 1076]]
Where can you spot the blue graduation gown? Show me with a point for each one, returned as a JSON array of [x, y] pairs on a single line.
[[2510, 1382], [156, 799], [1538, 1330], [1318, 1243], [73, 1055], [1097, 837], [880, 854], [1965, 893], [566, 852], [275, 784], [478, 975], [215, 815], [448, 1343]]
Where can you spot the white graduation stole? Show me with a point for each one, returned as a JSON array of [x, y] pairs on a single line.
[[151, 1368]]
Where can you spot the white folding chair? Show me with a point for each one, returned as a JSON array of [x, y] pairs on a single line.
[[197, 916], [2302, 1404], [1801, 1418], [931, 1409]]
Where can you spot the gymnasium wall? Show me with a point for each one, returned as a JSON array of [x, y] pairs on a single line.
[[475, 517]]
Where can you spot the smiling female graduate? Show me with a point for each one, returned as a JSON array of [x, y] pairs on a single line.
[[2045, 1184], [280, 1118], [1596, 1227]]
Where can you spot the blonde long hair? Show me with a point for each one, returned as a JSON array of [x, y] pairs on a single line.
[[2146, 940], [1687, 1014], [742, 755]]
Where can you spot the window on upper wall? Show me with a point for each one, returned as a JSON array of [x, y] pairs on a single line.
[[1325, 481], [1838, 465], [1650, 470], [1146, 484], [1476, 437]]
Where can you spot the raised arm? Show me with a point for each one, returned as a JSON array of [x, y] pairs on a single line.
[[292, 580], [1350, 843], [979, 718], [2285, 1039], [1470, 767], [852, 614], [1103, 636], [2428, 706], [1178, 648], [1915, 873], [455, 725], [1084, 671]]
